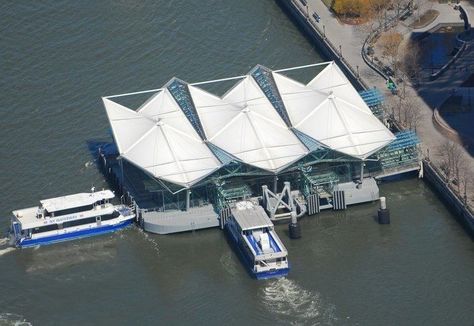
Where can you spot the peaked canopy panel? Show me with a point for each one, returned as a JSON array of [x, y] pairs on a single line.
[[163, 107], [127, 125], [345, 128], [259, 142], [212, 110], [168, 154], [160, 141], [332, 80], [298, 98], [265, 120], [258, 135], [247, 94]]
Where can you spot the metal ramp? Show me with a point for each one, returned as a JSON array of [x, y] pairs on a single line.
[[284, 205]]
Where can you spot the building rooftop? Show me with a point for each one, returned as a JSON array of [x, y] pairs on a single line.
[[265, 120]]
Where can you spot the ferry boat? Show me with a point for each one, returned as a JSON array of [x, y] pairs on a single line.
[[67, 218], [249, 228]]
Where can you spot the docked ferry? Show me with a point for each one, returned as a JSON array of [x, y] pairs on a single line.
[[251, 231], [67, 218]]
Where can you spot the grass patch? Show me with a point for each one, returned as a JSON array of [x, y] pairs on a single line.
[[424, 20]]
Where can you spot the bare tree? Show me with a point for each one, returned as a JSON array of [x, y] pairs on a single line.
[[452, 161], [465, 178], [390, 42], [409, 113], [411, 65]]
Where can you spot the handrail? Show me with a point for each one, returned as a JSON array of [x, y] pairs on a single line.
[[330, 46], [391, 23]]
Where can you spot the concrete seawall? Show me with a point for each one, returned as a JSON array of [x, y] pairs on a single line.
[[447, 195], [329, 52]]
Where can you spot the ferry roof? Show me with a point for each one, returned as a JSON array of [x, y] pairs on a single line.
[[251, 217], [174, 135], [75, 200]]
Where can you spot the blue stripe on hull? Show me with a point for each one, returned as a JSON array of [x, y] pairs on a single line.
[[248, 261], [74, 235]]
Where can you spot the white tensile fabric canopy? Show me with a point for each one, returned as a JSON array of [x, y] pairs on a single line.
[[331, 111], [249, 128], [160, 138]]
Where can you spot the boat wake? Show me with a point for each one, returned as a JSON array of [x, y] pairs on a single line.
[[71, 254], [89, 164], [285, 298], [8, 319], [6, 251], [5, 247], [4, 241], [149, 239]]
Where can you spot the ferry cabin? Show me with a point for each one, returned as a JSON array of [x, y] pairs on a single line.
[[68, 217], [260, 247]]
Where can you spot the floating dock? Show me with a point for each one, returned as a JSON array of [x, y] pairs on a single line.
[[186, 156]]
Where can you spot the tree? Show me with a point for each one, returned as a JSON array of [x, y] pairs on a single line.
[[409, 113], [390, 43], [452, 161], [465, 178], [410, 62]]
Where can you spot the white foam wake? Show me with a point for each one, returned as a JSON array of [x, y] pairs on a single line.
[[8, 319], [286, 298], [150, 240], [4, 241], [89, 164], [6, 251]]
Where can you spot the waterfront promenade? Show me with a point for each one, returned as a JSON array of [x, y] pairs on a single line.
[[429, 95]]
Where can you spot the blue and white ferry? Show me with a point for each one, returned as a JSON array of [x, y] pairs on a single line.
[[67, 218], [252, 232]]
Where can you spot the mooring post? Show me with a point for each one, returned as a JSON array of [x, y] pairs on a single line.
[[294, 227], [383, 216]]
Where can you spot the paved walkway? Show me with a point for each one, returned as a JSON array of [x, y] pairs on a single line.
[[431, 94]]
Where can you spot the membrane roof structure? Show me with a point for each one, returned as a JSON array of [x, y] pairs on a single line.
[[181, 133]]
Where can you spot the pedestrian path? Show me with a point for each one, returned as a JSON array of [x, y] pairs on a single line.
[[430, 95]]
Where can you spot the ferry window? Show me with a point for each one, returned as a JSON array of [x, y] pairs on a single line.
[[79, 222], [45, 228], [72, 210], [110, 216]]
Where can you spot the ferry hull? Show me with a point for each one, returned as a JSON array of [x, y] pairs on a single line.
[[73, 235], [272, 274], [248, 261]]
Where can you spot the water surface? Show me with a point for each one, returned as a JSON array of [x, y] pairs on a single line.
[[59, 57]]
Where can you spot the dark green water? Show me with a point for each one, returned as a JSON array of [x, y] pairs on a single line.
[[58, 58]]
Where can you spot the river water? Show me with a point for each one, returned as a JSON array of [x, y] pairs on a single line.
[[59, 57]]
